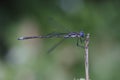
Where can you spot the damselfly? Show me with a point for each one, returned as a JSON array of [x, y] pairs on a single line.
[[79, 35]]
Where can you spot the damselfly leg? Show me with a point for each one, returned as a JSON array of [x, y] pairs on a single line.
[[80, 42]]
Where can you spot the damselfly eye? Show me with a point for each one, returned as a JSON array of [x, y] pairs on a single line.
[[82, 34]]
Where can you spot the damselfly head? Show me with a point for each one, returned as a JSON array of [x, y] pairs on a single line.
[[82, 34]]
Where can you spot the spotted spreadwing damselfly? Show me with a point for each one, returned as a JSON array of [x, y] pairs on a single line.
[[80, 36]]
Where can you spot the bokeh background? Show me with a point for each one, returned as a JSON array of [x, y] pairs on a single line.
[[28, 59]]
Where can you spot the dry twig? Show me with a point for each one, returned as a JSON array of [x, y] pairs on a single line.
[[86, 57]]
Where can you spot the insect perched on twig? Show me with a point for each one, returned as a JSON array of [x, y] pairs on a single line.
[[79, 35]]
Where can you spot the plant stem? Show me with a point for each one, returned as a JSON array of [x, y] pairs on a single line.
[[87, 57]]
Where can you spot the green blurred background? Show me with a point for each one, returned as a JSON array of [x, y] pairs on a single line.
[[28, 60]]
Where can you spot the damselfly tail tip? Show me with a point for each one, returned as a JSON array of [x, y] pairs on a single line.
[[21, 38]]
